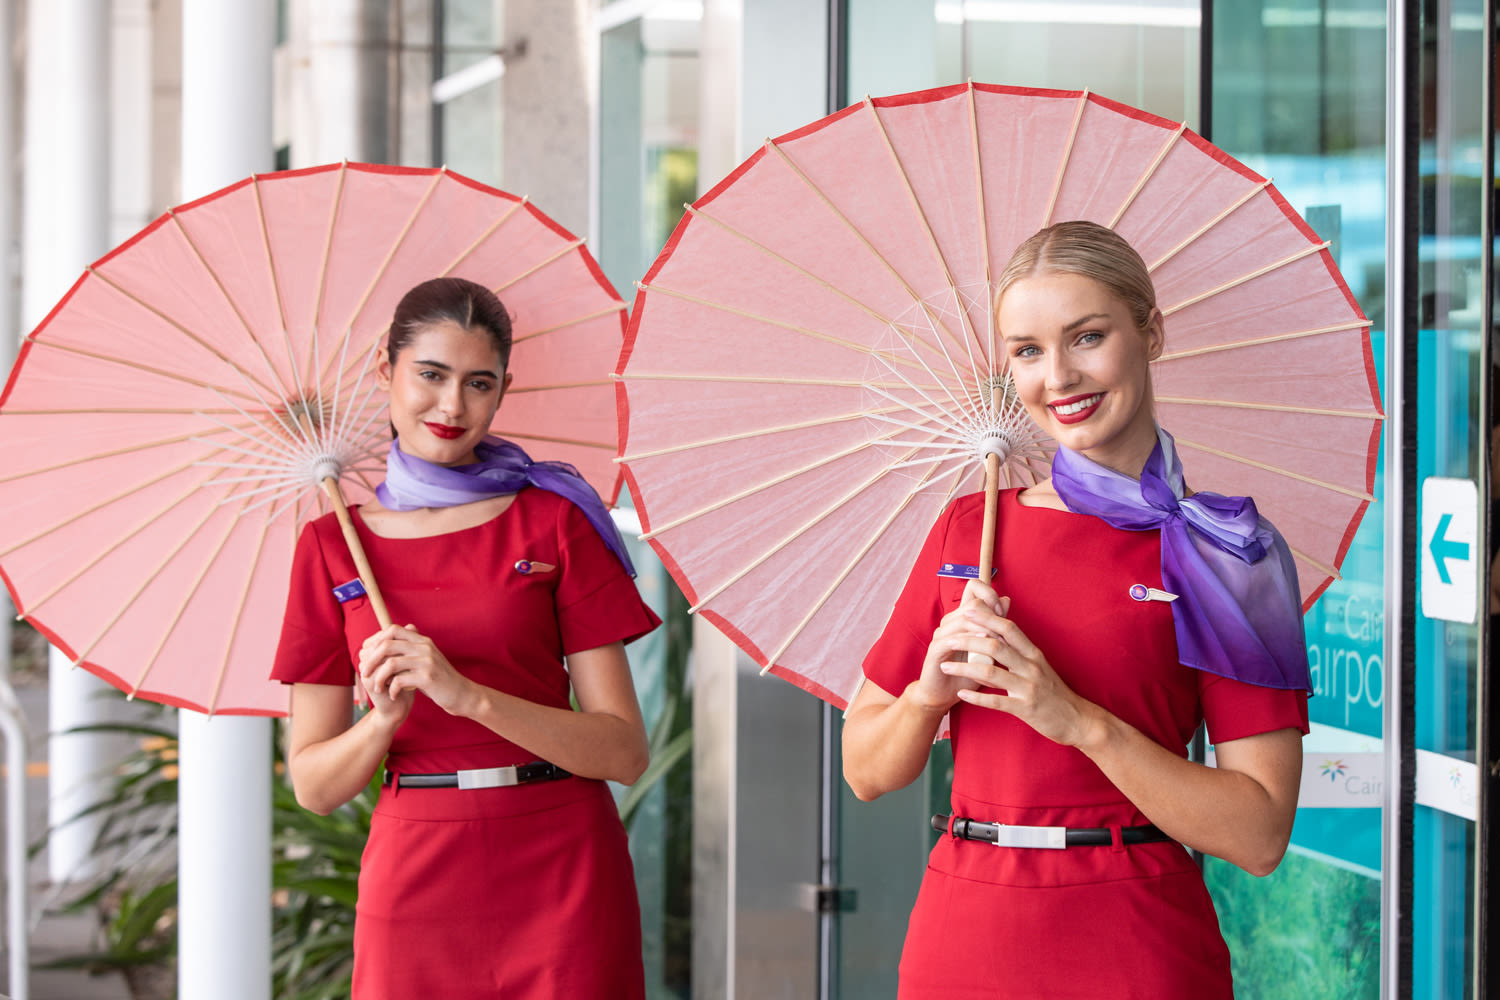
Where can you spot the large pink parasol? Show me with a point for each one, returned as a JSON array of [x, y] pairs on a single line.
[[166, 427], [811, 373]]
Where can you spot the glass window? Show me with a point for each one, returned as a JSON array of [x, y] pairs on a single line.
[[468, 127], [1298, 94]]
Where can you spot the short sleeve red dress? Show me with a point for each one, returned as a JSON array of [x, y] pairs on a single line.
[[523, 892], [1086, 922]]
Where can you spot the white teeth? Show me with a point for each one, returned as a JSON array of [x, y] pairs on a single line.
[[1078, 407]]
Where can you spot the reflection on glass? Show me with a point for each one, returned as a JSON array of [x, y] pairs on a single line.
[[471, 123], [1299, 95]]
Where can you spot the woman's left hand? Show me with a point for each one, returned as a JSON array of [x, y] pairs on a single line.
[[399, 658], [1030, 689]]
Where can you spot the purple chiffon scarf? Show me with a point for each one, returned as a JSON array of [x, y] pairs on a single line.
[[503, 467], [1238, 612]]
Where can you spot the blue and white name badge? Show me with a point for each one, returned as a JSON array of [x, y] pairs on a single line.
[[961, 572], [347, 592]]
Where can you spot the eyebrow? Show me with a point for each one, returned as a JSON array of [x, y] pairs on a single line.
[[449, 368], [1082, 320]]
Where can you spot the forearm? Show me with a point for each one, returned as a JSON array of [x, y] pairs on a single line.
[[329, 773], [1219, 811], [588, 744], [886, 745]]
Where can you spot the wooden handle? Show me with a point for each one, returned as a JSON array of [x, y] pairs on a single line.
[[362, 564], [987, 537]]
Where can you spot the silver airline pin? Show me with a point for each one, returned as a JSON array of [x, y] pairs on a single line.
[[1141, 592]]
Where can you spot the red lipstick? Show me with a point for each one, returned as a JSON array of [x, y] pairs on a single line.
[[446, 432], [1079, 416]]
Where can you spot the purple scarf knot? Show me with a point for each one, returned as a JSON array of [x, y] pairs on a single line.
[[503, 467], [1238, 612]]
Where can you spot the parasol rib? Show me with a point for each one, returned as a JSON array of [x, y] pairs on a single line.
[[335, 205], [131, 296], [346, 419], [796, 533], [1316, 564], [1251, 276], [775, 147], [618, 307], [750, 491], [1062, 166], [984, 229], [515, 390], [762, 432], [916, 204], [144, 585], [1274, 407], [1359, 324], [383, 267], [479, 241], [148, 369], [768, 321], [968, 413], [1255, 190], [763, 380], [233, 305], [271, 269], [1145, 178], [1277, 470], [965, 404], [238, 617], [100, 456], [573, 442], [698, 213], [187, 597], [545, 262], [126, 410], [843, 575]]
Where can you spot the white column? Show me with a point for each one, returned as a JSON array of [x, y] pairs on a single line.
[[224, 792], [65, 229]]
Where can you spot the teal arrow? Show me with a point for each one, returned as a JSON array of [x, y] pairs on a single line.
[[1442, 548]]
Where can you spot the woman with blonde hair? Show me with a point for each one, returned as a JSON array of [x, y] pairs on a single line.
[[1125, 609]]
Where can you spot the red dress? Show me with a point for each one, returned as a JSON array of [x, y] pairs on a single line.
[[1086, 922], [521, 892]]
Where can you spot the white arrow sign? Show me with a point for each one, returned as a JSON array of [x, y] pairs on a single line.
[[1449, 549]]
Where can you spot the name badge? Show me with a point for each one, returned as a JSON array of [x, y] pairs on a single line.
[[961, 572], [347, 592]]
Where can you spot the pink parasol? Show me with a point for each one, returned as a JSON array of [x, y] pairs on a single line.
[[165, 428], [810, 372]]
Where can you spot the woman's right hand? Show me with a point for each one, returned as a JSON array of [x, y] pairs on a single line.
[[953, 640], [389, 711]]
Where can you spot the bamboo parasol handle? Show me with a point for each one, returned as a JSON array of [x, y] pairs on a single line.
[[987, 537], [361, 563]]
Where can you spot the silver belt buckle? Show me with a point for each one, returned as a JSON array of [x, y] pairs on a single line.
[[1050, 837], [487, 777]]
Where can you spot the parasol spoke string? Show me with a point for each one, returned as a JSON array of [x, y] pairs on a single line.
[[963, 457], [1307, 251], [270, 491], [768, 321], [849, 567], [142, 586], [1062, 166], [327, 435], [1278, 470], [1145, 178], [947, 432], [759, 432], [364, 436], [786, 158], [187, 596], [483, 237], [958, 376], [1255, 189], [333, 217], [1354, 324], [831, 383], [796, 533], [1311, 411], [1317, 564], [179, 327], [127, 363], [750, 491], [234, 306], [194, 436], [239, 617], [294, 449], [384, 266], [363, 407], [265, 242], [361, 474], [618, 307], [109, 548], [961, 419], [916, 204], [787, 262]]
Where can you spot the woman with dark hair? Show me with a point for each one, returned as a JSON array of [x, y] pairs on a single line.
[[496, 863], [1125, 609]]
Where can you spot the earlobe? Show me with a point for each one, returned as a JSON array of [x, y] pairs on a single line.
[[1156, 335], [383, 371]]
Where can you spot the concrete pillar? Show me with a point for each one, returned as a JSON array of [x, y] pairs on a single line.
[[65, 228], [340, 73], [224, 792]]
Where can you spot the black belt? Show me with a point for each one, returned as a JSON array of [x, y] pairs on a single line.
[[1007, 835], [484, 777]]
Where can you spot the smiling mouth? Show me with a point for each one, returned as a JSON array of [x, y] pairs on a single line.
[[1076, 405]]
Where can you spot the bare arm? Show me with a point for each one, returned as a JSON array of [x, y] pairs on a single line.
[[606, 738], [331, 758], [1240, 811]]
